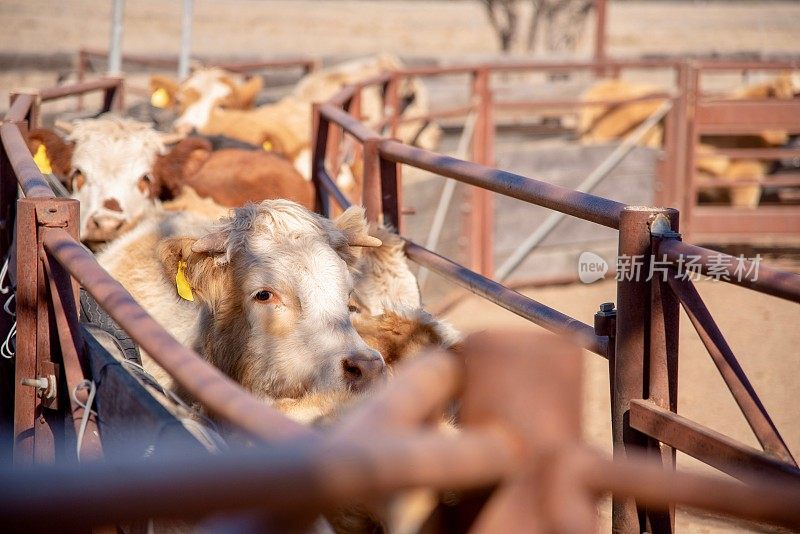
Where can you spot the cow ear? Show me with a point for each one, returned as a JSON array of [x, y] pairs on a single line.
[[172, 170], [192, 275], [45, 143], [247, 92], [163, 91]]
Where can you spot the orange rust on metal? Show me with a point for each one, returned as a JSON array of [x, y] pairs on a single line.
[[26, 403], [480, 220], [27, 173]]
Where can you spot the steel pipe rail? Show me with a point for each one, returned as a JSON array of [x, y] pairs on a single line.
[[329, 186], [707, 445], [204, 382], [61, 91], [296, 477], [563, 103], [19, 108], [775, 501], [28, 175], [235, 66], [582, 205], [537, 313], [769, 281], [348, 123], [502, 66], [732, 373]]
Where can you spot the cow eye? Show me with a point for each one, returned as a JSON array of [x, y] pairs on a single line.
[[145, 183], [76, 180], [263, 296], [353, 308]]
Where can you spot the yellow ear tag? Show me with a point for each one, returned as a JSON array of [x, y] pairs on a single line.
[[42, 161], [184, 290], [159, 98], [267, 145]]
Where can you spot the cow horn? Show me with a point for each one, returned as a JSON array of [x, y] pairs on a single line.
[[364, 241], [210, 244], [65, 126]]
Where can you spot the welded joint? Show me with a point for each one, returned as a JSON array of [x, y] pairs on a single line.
[[660, 227]]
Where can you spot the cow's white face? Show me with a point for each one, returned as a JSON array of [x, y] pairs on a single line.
[[276, 284], [199, 95], [111, 175]]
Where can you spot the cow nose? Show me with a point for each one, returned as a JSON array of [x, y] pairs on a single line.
[[107, 224], [361, 368], [112, 204]]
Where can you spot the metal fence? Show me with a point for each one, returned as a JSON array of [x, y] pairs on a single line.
[[640, 338], [520, 422]]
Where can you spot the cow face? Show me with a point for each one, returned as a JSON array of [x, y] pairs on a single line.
[[117, 168], [274, 284], [206, 88]]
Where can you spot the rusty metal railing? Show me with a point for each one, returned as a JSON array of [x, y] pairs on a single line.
[[639, 338], [520, 420], [519, 436], [46, 253]]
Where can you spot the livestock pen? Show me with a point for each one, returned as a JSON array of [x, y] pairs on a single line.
[[519, 438]]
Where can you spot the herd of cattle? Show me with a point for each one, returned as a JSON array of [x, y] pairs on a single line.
[[209, 226], [599, 124], [222, 248]]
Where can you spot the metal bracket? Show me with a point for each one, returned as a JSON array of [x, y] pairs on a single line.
[[52, 214], [605, 320], [46, 385]]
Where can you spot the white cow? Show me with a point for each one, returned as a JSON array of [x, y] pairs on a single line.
[[270, 288]]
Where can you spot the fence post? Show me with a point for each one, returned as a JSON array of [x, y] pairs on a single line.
[[632, 351], [481, 216], [663, 365], [371, 186], [32, 117], [319, 132], [393, 103], [688, 139], [8, 204], [80, 71], [391, 195], [113, 97], [27, 407]]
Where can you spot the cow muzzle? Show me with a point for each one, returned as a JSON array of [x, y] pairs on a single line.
[[103, 227], [362, 368]]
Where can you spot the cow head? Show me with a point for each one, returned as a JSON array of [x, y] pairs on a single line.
[[274, 285], [205, 89], [117, 168]]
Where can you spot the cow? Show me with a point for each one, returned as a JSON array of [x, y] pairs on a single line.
[[120, 169], [604, 123], [263, 295], [285, 126]]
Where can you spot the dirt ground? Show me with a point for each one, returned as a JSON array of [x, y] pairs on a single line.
[[763, 331]]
